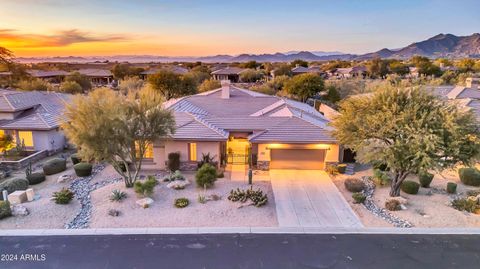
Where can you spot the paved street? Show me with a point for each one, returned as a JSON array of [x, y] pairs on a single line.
[[308, 198], [254, 251]]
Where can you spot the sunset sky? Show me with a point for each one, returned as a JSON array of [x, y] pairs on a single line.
[[196, 27]]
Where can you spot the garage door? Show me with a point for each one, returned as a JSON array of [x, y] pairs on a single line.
[[297, 159]]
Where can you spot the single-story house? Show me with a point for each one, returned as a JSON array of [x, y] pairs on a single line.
[[467, 96], [238, 126], [33, 118], [98, 77], [53, 76], [297, 70], [350, 72], [175, 69], [229, 73]]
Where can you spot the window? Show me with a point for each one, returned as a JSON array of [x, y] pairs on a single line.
[[192, 152], [148, 151], [26, 138]]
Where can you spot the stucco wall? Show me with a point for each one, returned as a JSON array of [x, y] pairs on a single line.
[[161, 149], [42, 140]]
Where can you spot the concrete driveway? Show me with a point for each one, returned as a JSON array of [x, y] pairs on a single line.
[[308, 198]]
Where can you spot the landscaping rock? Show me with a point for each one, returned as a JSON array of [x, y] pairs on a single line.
[[19, 210], [145, 202], [64, 178], [178, 184], [30, 194], [17, 197]]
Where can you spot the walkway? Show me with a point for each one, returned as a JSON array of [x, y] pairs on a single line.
[[308, 198]]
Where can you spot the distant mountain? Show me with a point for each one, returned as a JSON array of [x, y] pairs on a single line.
[[318, 53]]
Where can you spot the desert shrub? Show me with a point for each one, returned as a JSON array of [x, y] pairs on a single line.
[[257, 197], [145, 188], [35, 178], [181, 202], [54, 166], [469, 176], [342, 168], [113, 213], [83, 169], [177, 175], [75, 158], [332, 169], [220, 174], [425, 179], [5, 210], [63, 196], [354, 185], [451, 187], [410, 187], [358, 197], [14, 184], [472, 192], [173, 162], [206, 176], [465, 204], [117, 195], [206, 158], [392, 205], [381, 177], [202, 199]]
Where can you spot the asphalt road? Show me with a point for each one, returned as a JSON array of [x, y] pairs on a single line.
[[255, 251]]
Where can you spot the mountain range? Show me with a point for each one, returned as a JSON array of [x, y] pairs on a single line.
[[442, 45]]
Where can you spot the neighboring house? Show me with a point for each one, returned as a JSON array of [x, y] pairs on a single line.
[[229, 73], [297, 70], [237, 126], [52, 76], [33, 118], [175, 69], [350, 72], [98, 77]]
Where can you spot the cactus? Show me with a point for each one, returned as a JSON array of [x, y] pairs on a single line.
[[257, 197], [28, 170]]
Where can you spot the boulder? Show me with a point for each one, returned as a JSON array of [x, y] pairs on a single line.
[[30, 194], [178, 184], [64, 178], [19, 210], [17, 197], [145, 202]]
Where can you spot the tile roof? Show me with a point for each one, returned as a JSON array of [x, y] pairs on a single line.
[[228, 71], [45, 74], [175, 69], [95, 72]]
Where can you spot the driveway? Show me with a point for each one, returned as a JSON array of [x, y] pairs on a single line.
[[308, 198]]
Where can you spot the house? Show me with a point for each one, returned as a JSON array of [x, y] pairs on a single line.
[[98, 77], [175, 69], [228, 73], [350, 72], [52, 76], [238, 126], [297, 70], [33, 118]]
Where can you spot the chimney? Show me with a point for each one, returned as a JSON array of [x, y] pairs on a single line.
[[225, 89], [473, 83]]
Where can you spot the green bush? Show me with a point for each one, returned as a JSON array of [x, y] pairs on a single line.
[[410, 187], [465, 204], [206, 176], [381, 177], [358, 197], [342, 168], [332, 169], [451, 187], [63, 196], [354, 185], [35, 178], [469, 176], [145, 188], [75, 158], [173, 162], [5, 210], [14, 184], [425, 179], [54, 166], [174, 176], [181, 202], [83, 169]]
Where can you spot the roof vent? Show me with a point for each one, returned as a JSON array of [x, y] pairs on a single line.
[[473, 83], [225, 89]]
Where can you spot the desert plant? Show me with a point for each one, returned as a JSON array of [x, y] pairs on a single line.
[[341, 168], [469, 176], [5, 210], [64, 196], [410, 187], [451, 187], [381, 177], [75, 158], [113, 213], [173, 162], [465, 204], [472, 192], [14, 184], [83, 169], [358, 197], [177, 175], [202, 199], [354, 185], [257, 197], [206, 158], [425, 179], [35, 178], [332, 169], [117, 195], [392, 205], [220, 174], [145, 188], [181, 202], [206, 176], [54, 166]]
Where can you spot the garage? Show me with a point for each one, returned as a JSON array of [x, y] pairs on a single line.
[[302, 159]]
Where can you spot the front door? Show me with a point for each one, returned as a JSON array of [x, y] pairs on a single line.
[[237, 150]]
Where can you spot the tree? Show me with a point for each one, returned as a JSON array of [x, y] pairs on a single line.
[[333, 96], [251, 75], [6, 56], [121, 71], [299, 62], [283, 70], [71, 87], [398, 68], [377, 68], [82, 80], [250, 65], [426, 67], [466, 65], [172, 85], [304, 86], [209, 85], [34, 84], [130, 84], [408, 130], [107, 126]]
